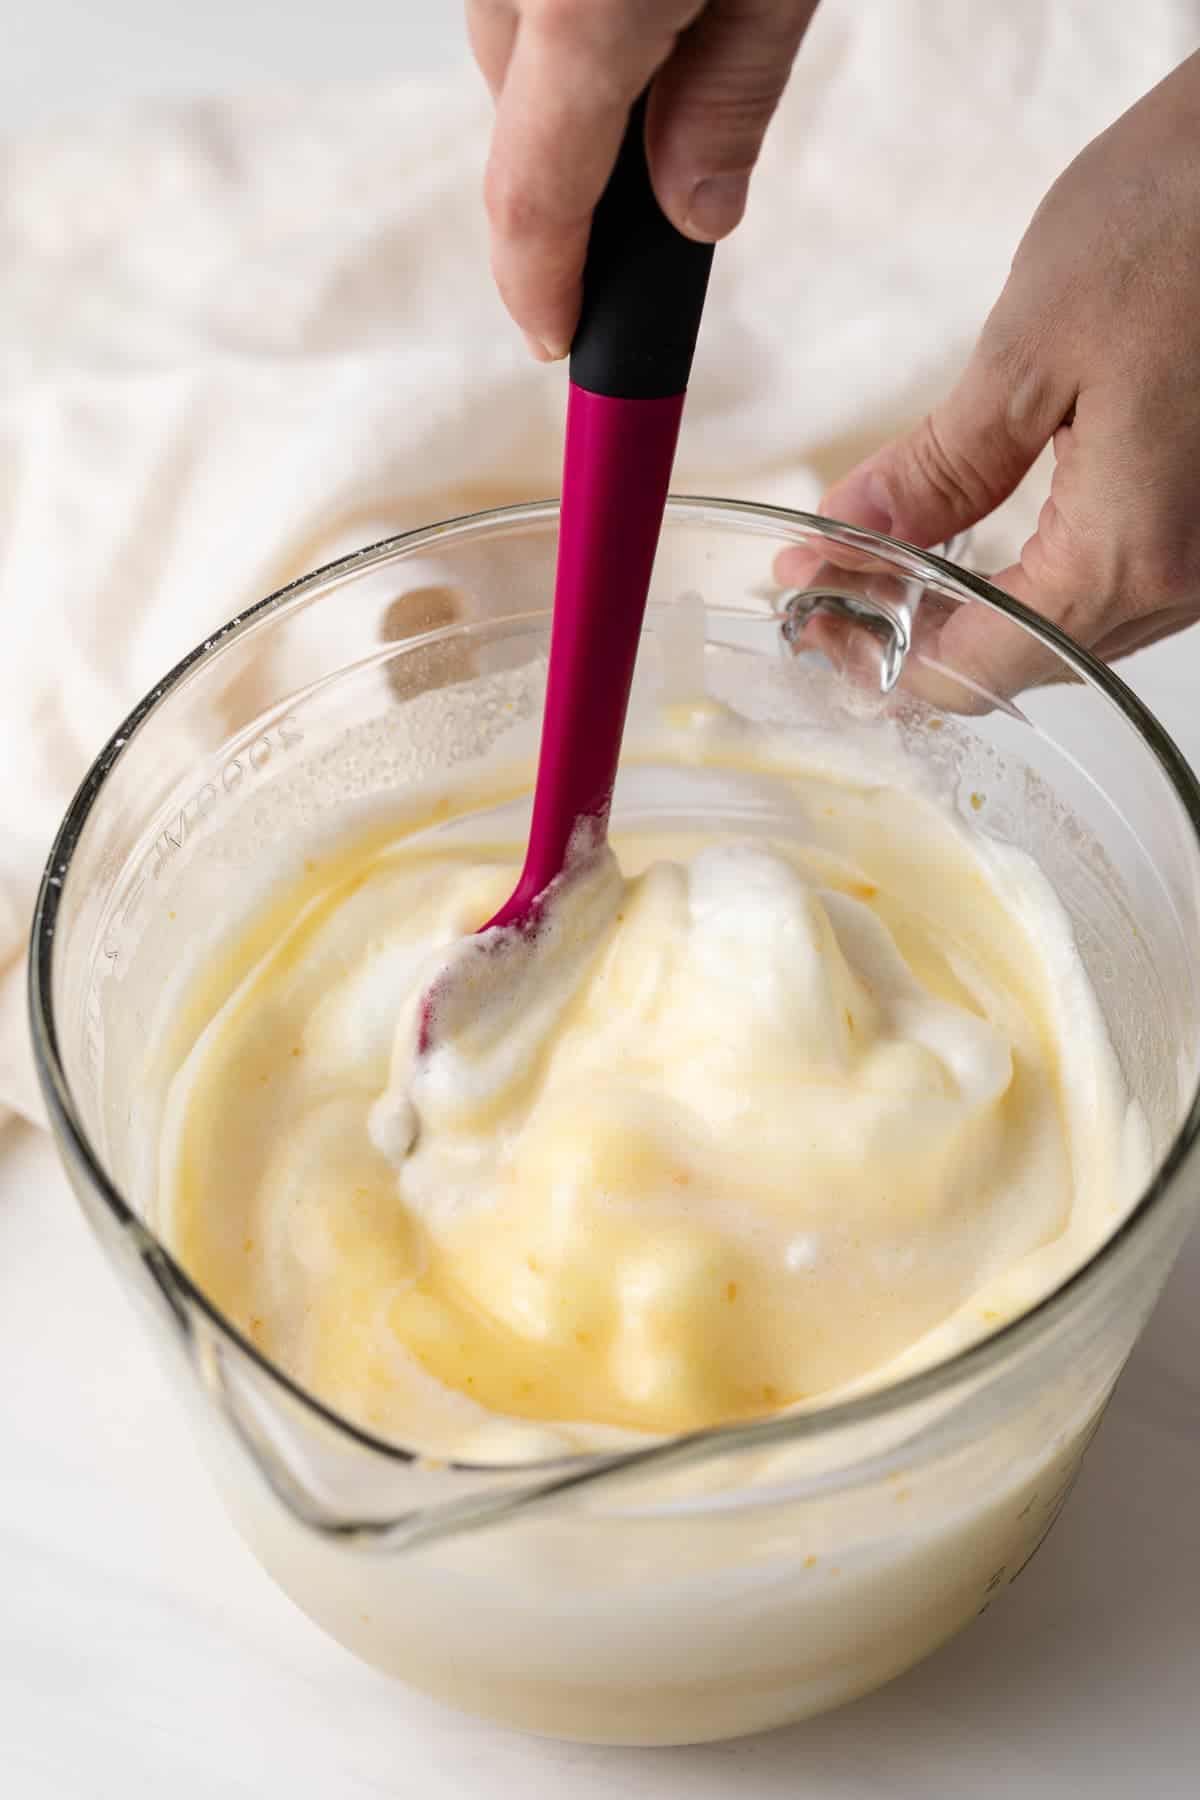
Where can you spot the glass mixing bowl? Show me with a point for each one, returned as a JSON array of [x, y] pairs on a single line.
[[740, 1577]]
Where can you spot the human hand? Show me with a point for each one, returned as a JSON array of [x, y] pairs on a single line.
[[564, 74], [1095, 344]]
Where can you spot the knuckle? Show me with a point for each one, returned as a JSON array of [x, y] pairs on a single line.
[[602, 33], [609, 22], [1081, 578], [1014, 369], [944, 468], [559, 20], [728, 117], [512, 210], [1058, 542], [1057, 573]]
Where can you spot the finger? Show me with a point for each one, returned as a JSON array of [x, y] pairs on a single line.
[[965, 656], [1114, 563], [969, 658], [492, 30], [807, 565], [711, 105], [968, 454], [573, 75], [1139, 634], [1081, 569]]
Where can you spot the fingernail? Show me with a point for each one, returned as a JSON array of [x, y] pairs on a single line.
[[861, 500], [539, 351], [716, 204]]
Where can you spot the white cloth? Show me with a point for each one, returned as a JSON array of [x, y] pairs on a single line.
[[237, 337]]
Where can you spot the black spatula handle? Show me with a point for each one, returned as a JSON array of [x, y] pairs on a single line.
[[643, 287]]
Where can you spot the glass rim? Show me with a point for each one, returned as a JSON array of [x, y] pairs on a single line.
[[983, 1356]]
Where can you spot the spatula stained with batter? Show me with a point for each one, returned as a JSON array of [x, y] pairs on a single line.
[[643, 294]]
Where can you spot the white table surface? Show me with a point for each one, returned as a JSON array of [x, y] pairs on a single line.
[[143, 1652]]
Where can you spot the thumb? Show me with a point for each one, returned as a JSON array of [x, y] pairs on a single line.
[[963, 459], [711, 105]]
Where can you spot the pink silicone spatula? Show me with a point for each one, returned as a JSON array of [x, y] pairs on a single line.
[[643, 294]]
